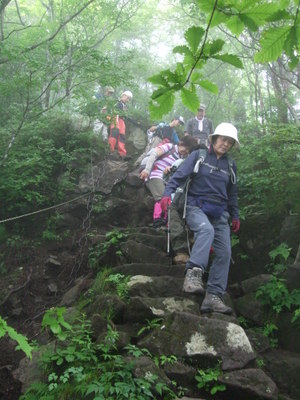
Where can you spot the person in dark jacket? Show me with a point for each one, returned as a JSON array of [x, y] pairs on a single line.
[[200, 127], [212, 199]]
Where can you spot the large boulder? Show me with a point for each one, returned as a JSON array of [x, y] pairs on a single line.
[[249, 384], [140, 309], [103, 177], [290, 232], [283, 367], [201, 340], [138, 252], [155, 286]]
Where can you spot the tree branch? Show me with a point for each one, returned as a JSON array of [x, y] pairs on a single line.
[[3, 4], [203, 44], [61, 26], [18, 12]]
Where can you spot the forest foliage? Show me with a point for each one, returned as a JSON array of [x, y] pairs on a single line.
[[199, 49]]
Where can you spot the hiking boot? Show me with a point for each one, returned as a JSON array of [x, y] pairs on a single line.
[[214, 303], [181, 258], [159, 223], [193, 281], [114, 156]]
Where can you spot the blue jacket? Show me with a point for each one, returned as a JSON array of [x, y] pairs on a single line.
[[212, 183]]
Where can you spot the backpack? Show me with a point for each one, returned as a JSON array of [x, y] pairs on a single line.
[[180, 196], [163, 131]]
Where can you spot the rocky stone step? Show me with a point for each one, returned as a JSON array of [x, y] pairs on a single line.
[[154, 286], [141, 309], [201, 341], [150, 269], [134, 252]]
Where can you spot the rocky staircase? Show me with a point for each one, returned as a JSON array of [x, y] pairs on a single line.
[[197, 341]]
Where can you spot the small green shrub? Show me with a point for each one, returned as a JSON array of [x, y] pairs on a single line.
[[151, 324], [79, 368], [120, 283], [112, 240], [208, 380], [279, 257], [275, 293]]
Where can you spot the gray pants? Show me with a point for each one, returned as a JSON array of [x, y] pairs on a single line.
[[178, 232], [156, 187], [210, 232]]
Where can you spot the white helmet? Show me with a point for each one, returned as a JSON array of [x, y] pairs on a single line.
[[226, 129], [127, 93]]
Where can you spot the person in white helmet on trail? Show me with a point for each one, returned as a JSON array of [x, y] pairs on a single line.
[[212, 200], [118, 127]]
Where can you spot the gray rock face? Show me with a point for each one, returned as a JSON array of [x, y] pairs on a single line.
[[250, 384], [138, 252], [103, 177], [201, 339], [283, 367]]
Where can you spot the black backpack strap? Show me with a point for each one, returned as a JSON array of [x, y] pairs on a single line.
[[231, 170], [200, 160]]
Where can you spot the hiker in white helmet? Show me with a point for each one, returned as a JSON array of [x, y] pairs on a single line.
[[211, 200], [118, 127]]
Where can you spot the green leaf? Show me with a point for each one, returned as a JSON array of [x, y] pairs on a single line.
[[249, 22], [196, 77], [170, 76], [219, 18], [21, 340], [294, 62], [163, 105], [230, 59], [209, 86], [193, 36], [235, 25], [291, 42], [205, 5], [159, 92], [272, 44], [158, 80], [216, 46], [260, 12], [280, 15], [190, 99], [183, 50]]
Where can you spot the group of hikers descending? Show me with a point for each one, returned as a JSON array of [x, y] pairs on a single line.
[[193, 181]]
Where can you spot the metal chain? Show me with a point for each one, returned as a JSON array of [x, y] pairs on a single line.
[[86, 223]]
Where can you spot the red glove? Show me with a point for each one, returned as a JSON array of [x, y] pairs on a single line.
[[165, 202], [235, 225]]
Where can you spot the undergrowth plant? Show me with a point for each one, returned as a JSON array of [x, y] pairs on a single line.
[[22, 340], [50, 233], [77, 367], [112, 240], [208, 380], [151, 324], [275, 294], [107, 282]]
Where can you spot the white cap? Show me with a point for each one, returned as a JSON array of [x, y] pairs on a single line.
[[226, 129], [180, 119], [127, 93]]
